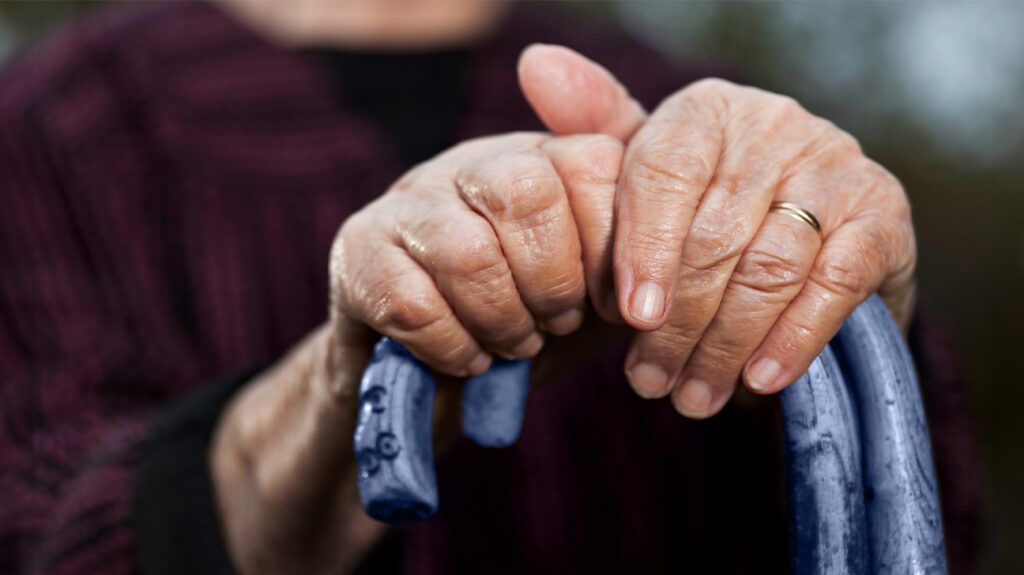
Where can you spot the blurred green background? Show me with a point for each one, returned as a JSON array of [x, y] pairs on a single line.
[[935, 92]]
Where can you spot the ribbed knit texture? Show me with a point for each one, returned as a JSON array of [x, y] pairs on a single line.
[[169, 187]]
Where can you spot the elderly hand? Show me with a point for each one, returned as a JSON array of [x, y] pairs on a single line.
[[719, 283], [470, 255], [478, 251]]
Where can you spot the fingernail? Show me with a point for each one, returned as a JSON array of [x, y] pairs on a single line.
[[762, 375], [648, 302], [649, 380], [480, 364], [564, 323], [694, 399], [529, 347]]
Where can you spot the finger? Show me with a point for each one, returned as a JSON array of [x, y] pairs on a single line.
[[589, 168], [768, 276], [753, 163], [850, 266], [573, 95], [460, 250], [389, 292], [667, 167], [763, 159], [521, 195]]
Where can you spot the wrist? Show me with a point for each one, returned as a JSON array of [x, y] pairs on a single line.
[[283, 470]]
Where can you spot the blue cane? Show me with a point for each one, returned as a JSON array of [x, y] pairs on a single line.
[[862, 489]]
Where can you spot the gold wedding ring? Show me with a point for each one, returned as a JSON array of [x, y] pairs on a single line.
[[794, 211]]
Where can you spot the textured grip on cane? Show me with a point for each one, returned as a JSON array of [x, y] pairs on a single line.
[[394, 434], [394, 437]]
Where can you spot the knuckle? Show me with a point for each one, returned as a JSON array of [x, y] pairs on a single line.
[[453, 355], [674, 340], [492, 283], [532, 194], [475, 256], [890, 185], [843, 275], [879, 239], [603, 157], [902, 211], [796, 335], [778, 113], [891, 182], [664, 169], [495, 315], [892, 244], [783, 106], [396, 307], [842, 140], [708, 247], [825, 143], [507, 330], [509, 189], [562, 289], [453, 244], [603, 144], [888, 197], [714, 90], [501, 310], [768, 273], [650, 236], [773, 115], [721, 354], [651, 244]]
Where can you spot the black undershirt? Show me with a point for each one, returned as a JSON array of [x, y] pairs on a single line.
[[411, 97]]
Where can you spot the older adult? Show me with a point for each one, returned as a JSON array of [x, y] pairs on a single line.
[[176, 179]]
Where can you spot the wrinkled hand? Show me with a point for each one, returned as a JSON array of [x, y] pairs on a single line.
[[473, 254], [479, 251], [720, 285]]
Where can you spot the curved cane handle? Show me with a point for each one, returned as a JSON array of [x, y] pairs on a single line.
[[828, 529], [861, 480], [900, 489], [394, 436], [890, 493]]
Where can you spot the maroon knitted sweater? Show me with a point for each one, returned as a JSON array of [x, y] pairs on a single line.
[[169, 187]]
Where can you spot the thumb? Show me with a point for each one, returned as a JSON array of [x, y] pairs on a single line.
[[574, 95]]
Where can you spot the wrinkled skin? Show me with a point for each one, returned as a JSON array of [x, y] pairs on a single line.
[[660, 221], [718, 284], [479, 251], [476, 253]]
